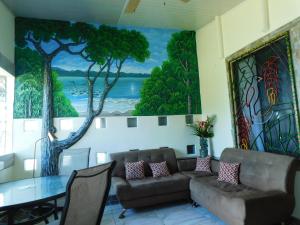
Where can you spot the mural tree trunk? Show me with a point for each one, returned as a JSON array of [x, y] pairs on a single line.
[[47, 121], [189, 98], [106, 47]]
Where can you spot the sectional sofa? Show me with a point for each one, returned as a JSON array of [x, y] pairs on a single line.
[[264, 196]]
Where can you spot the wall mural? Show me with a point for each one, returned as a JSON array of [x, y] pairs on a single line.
[[70, 69], [265, 100], [164, 82]]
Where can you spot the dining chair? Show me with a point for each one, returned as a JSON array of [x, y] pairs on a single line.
[[73, 159], [70, 160], [86, 196]]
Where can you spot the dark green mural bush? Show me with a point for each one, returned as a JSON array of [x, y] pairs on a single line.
[[173, 88]]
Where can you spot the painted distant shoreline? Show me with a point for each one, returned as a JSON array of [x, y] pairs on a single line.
[[80, 73]]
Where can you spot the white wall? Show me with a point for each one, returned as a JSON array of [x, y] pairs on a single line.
[[7, 33], [116, 137], [241, 26]]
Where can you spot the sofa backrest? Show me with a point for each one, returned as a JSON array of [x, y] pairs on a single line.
[[262, 170], [150, 155]]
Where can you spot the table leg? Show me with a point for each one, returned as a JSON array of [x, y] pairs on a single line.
[[55, 210], [10, 217]]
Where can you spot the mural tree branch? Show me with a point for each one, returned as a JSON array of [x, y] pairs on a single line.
[[105, 48]]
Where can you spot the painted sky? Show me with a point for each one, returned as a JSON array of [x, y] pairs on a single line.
[[157, 38]]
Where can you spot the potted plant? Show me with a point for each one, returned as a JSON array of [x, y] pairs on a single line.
[[204, 130]]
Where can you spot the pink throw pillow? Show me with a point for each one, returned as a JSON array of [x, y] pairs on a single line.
[[203, 164], [159, 169], [135, 170], [229, 172]]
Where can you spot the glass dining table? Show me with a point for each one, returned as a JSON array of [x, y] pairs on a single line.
[[32, 195]]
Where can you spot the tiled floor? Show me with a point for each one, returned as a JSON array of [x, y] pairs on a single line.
[[179, 213], [170, 214]]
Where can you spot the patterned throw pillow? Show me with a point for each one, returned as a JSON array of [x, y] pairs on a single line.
[[159, 169], [229, 172], [135, 170], [203, 164]]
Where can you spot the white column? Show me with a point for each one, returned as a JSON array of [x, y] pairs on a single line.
[[219, 29], [266, 15]]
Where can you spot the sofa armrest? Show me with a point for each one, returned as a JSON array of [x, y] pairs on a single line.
[[119, 181], [119, 185], [186, 164]]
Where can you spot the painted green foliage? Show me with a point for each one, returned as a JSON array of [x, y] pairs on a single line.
[[29, 88], [173, 88], [104, 47]]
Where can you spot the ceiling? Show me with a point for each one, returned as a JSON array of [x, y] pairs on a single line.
[[150, 13]]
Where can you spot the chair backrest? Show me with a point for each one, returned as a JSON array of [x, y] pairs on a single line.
[[86, 196], [73, 159], [148, 156], [262, 170]]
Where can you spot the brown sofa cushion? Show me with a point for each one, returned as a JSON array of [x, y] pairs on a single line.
[[239, 204], [148, 156], [186, 163], [262, 170], [149, 186], [195, 174]]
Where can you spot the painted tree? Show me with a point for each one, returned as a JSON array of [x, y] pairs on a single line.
[[162, 94], [105, 48], [29, 91], [182, 54], [173, 88]]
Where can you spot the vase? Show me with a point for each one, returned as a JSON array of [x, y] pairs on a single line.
[[203, 147]]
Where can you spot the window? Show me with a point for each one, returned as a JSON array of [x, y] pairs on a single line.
[[6, 111], [66, 124], [3, 113], [101, 157], [189, 119], [30, 164], [131, 122], [190, 149], [162, 121], [264, 102], [31, 125], [100, 123], [67, 160]]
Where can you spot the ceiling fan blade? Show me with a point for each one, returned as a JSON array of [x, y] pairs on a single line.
[[132, 6]]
